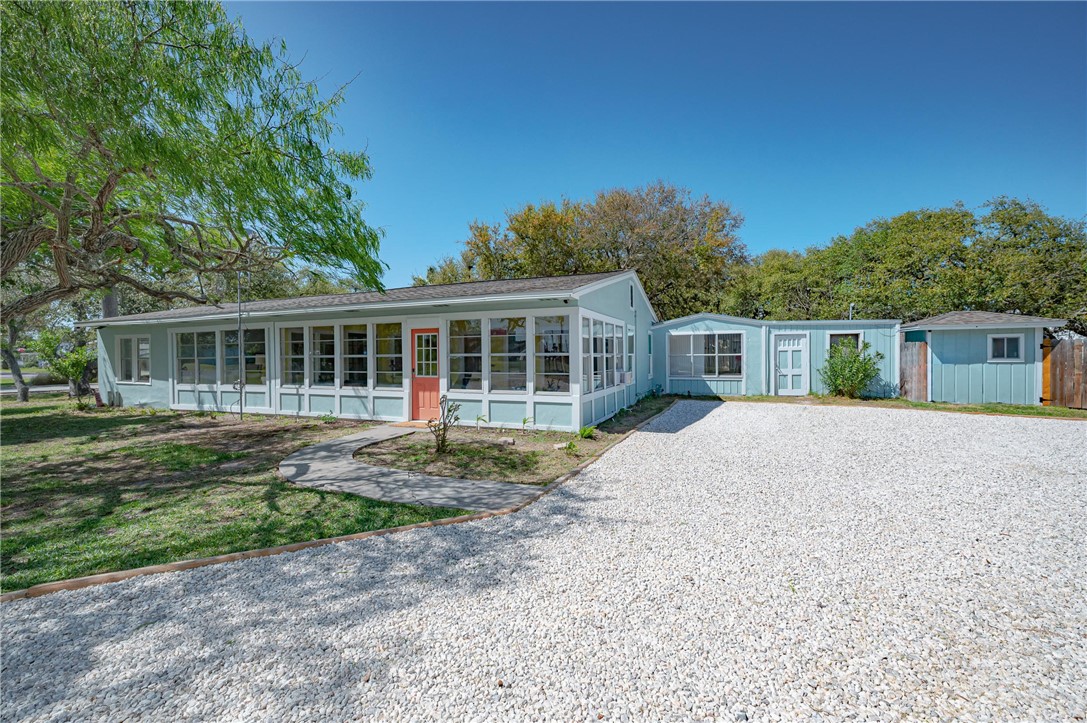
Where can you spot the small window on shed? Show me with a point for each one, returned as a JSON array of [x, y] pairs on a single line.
[[1006, 347], [852, 338]]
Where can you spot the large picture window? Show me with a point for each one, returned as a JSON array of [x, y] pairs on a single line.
[[355, 360], [705, 355], [134, 359], [254, 352], [294, 357], [552, 353], [509, 354], [466, 354], [195, 358], [322, 356], [389, 344]]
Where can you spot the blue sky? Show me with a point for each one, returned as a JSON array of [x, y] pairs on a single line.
[[810, 119]]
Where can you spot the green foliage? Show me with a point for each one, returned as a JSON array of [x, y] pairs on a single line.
[[586, 433], [848, 370], [524, 424], [685, 248], [329, 418], [570, 448], [146, 143], [480, 420], [447, 417]]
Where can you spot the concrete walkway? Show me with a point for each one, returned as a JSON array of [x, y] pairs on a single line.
[[331, 466]]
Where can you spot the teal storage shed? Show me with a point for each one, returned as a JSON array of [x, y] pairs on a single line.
[[976, 357], [719, 355]]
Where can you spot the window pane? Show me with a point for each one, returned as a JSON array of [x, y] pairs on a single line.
[[294, 359], [389, 360], [729, 343], [1011, 347], [729, 365], [466, 354], [509, 359], [703, 366], [124, 365], [552, 353], [323, 356], [679, 365], [598, 354], [354, 355], [586, 356]]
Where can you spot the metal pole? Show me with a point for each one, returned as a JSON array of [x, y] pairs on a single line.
[[241, 355], [851, 311]]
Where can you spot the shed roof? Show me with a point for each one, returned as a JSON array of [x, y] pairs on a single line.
[[987, 319], [406, 296]]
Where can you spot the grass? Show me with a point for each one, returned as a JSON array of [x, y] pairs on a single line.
[[898, 403], [532, 459], [105, 490]]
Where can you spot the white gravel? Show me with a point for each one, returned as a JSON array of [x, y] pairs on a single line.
[[732, 561]]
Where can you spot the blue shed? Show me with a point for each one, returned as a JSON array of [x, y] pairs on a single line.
[[718, 355], [975, 357]]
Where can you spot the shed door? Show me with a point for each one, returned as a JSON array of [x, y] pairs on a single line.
[[791, 364]]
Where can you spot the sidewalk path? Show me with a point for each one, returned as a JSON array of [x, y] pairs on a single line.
[[331, 466]]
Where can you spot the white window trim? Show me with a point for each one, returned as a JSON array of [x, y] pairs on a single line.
[[1022, 349], [591, 394], [690, 353], [135, 359], [858, 332]]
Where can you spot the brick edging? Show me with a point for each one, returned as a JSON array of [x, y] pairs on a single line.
[[77, 583]]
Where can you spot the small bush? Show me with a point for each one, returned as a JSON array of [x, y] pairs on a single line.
[[586, 433], [328, 418], [439, 427], [850, 370], [570, 448]]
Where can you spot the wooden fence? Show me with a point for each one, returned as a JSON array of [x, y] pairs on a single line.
[[1064, 373], [913, 369]]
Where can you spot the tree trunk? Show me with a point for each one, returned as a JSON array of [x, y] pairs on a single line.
[[109, 303], [22, 391]]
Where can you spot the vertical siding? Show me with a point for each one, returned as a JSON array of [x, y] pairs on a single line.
[[962, 374], [881, 337]]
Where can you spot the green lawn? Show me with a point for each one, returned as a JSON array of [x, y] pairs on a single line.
[[90, 492]]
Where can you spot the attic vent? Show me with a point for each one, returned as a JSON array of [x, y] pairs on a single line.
[[632, 296]]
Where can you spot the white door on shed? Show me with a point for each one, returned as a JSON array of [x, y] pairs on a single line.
[[791, 364]]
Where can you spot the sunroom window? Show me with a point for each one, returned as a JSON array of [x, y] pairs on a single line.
[[355, 361], [323, 356], [195, 357], [705, 355], [254, 352], [552, 353], [466, 354], [509, 354], [294, 357], [390, 356]]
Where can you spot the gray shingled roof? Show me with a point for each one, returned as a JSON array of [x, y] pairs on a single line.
[[409, 294], [987, 318]]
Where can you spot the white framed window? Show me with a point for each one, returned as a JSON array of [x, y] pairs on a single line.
[[705, 355], [598, 354], [1006, 347], [389, 344], [134, 359], [552, 354], [586, 356], [466, 354], [322, 356], [355, 350], [195, 357], [509, 354], [853, 337], [294, 357], [253, 351]]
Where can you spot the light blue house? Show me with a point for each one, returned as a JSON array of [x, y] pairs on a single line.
[[973, 357], [553, 353], [713, 354]]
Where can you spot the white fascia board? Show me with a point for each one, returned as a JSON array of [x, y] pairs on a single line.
[[968, 327], [392, 307], [710, 317]]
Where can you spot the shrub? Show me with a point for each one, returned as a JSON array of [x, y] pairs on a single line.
[[850, 370], [447, 417], [586, 432], [570, 448], [329, 418]]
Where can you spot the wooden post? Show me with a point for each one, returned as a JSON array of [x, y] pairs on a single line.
[[1047, 372]]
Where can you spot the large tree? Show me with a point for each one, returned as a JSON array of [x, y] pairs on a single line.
[[145, 144], [684, 247]]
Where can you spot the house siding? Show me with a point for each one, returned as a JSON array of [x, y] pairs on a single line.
[[962, 374]]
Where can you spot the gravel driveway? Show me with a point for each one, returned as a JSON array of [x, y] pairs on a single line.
[[731, 561]]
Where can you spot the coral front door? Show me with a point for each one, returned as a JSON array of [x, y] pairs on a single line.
[[424, 374]]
